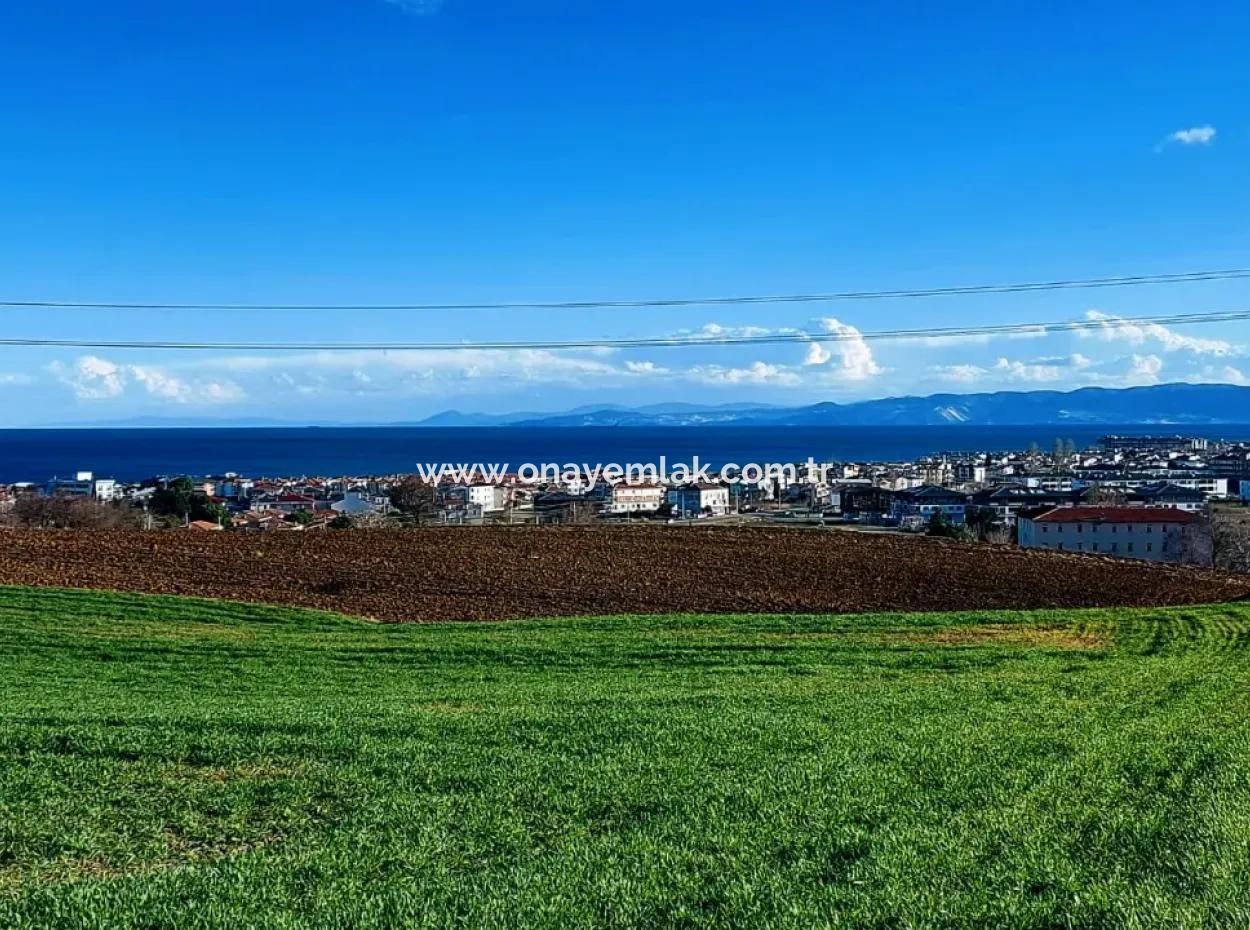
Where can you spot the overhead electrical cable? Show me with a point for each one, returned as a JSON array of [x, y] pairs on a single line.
[[1066, 284], [679, 341]]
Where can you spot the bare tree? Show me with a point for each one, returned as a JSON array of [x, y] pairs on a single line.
[[1230, 537], [60, 511]]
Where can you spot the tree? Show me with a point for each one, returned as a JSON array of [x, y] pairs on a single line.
[[981, 522], [414, 498], [302, 517], [62, 511], [940, 525], [1230, 532], [180, 498]]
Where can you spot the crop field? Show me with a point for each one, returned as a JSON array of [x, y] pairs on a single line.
[[481, 573], [169, 762]]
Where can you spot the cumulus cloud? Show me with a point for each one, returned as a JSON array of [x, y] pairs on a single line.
[[1195, 135], [848, 356], [1112, 329], [817, 354], [1145, 369], [93, 378]]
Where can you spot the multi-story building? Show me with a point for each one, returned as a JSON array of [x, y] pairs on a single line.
[[694, 500], [83, 484], [1154, 534], [928, 501], [635, 498], [490, 497]]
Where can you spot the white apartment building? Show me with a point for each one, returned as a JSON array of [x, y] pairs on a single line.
[[636, 498], [490, 497]]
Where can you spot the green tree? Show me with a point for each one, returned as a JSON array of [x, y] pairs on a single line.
[[940, 525]]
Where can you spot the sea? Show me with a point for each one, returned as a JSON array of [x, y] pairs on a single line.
[[136, 454]]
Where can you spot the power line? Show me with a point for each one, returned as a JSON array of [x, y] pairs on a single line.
[[787, 336], [1068, 284]]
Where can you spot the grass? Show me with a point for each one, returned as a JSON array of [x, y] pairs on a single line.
[[181, 763]]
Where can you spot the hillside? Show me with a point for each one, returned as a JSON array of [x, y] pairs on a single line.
[[1158, 404], [167, 762], [492, 573]]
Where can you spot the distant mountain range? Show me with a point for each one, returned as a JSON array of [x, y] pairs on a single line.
[[1163, 404], [1175, 405]]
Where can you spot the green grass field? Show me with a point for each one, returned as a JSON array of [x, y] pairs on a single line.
[[177, 763]]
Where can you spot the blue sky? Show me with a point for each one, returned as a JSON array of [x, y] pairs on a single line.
[[469, 151]]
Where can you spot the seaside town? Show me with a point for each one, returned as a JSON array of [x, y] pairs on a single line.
[[1159, 498]]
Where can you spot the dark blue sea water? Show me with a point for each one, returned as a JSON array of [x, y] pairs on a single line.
[[133, 454]]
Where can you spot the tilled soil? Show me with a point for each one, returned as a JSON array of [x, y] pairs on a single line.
[[483, 573]]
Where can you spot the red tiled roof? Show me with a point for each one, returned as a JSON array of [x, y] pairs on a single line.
[[1115, 515]]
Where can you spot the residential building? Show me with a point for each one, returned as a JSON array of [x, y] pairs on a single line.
[[1151, 533], [491, 498], [695, 500], [83, 484], [928, 501], [1166, 494], [360, 502], [636, 498]]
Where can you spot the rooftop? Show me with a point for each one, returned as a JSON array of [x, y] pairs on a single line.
[[1115, 515]]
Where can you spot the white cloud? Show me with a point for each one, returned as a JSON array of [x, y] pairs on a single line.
[[15, 380], [1195, 135], [720, 331], [849, 356], [1225, 375], [1027, 371], [1026, 332], [1050, 368], [1112, 329], [645, 368], [756, 373], [1145, 369], [959, 374], [817, 354], [93, 378]]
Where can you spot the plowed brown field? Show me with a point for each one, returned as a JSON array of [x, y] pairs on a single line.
[[483, 573]]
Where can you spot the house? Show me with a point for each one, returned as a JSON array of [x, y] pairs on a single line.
[[290, 503], [640, 497], [928, 501], [1008, 500], [491, 498], [1166, 494], [205, 525], [693, 500], [1157, 534], [866, 504], [359, 502]]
